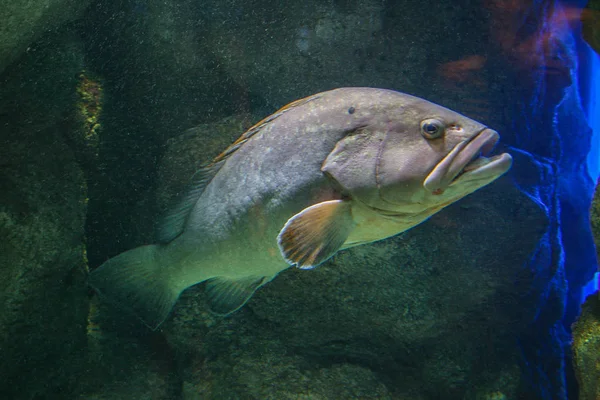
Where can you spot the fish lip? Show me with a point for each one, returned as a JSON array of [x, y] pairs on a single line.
[[493, 167], [477, 154], [451, 169]]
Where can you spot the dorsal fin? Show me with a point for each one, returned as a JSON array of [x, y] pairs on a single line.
[[174, 221], [256, 127]]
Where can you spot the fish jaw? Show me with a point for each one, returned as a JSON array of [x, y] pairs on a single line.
[[468, 162], [484, 169]]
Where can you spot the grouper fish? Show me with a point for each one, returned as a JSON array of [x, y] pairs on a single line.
[[325, 173]]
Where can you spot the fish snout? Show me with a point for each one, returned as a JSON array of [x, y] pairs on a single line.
[[468, 157]]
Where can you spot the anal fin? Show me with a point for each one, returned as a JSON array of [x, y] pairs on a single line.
[[227, 295]]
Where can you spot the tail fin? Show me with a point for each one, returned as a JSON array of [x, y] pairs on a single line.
[[134, 280]]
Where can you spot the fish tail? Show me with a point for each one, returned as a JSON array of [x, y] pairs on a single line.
[[136, 281]]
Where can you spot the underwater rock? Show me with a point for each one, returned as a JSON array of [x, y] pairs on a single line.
[[24, 22], [595, 219], [586, 330], [153, 89], [590, 18], [264, 374], [284, 51], [43, 294], [586, 349], [432, 312], [194, 53], [124, 360], [168, 80], [311, 47]]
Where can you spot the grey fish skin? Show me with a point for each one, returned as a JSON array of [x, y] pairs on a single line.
[[334, 170]]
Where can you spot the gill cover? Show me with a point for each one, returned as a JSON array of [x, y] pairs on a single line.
[[353, 163]]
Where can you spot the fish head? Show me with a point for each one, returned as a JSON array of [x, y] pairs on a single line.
[[414, 158]]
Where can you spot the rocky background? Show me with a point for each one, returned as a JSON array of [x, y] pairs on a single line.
[[107, 107], [591, 24], [586, 349], [586, 331], [43, 202]]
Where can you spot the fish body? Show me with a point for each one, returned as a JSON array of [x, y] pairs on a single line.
[[331, 171]]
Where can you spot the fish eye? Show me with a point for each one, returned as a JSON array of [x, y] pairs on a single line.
[[432, 128]]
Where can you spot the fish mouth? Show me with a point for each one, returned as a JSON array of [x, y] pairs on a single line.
[[469, 161]]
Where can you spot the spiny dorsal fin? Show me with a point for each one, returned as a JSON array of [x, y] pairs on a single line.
[[174, 222], [256, 127]]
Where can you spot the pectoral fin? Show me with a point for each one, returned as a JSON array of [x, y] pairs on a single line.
[[316, 233]]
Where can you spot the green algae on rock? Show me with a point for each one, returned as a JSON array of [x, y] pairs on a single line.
[[586, 349], [595, 219], [586, 330], [88, 111]]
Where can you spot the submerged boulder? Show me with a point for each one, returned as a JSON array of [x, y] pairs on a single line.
[[591, 24], [586, 349], [43, 295], [595, 219], [160, 80], [282, 51], [124, 359], [24, 22], [586, 331]]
